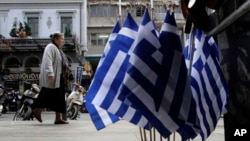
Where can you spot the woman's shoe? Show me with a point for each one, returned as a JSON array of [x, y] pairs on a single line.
[[61, 122], [37, 115]]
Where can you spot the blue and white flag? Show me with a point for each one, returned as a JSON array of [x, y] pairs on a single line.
[[208, 84], [105, 86], [156, 82], [101, 117]]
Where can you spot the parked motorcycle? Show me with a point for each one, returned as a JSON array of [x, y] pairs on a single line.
[[24, 112], [74, 102]]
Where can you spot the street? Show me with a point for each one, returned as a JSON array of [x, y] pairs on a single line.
[[79, 130]]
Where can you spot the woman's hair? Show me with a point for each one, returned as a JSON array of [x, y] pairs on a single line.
[[56, 35]]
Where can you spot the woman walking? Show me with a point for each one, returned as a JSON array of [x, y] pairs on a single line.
[[52, 94]]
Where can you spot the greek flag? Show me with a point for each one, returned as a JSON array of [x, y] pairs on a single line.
[[156, 81], [105, 86], [207, 81], [100, 117]]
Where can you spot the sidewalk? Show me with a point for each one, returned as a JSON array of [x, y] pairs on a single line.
[[81, 130]]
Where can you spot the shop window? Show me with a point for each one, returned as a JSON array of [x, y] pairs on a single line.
[[11, 85]]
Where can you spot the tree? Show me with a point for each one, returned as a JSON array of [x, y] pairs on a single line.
[[67, 32], [21, 31], [13, 30], [27, 29]]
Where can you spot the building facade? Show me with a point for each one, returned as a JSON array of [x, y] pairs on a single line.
[[25, 27]]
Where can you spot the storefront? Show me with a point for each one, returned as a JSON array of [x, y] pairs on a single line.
[[20, 81]]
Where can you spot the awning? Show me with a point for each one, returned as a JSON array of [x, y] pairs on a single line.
[[92, 58]]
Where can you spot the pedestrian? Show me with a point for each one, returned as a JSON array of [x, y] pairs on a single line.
[[51, 80]]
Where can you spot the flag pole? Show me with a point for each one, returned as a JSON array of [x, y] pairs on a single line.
[[154, 134], [144, 133], [191, 47], [150, 134], [141, 133]]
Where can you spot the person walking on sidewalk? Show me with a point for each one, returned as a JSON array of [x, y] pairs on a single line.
[[52, 94]]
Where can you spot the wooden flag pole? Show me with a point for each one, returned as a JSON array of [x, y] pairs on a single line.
[[141, 133]]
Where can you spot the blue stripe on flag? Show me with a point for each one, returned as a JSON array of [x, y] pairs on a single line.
[[207, 81]]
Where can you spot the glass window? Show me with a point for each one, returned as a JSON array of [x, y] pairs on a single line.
[[33, 23], [140, 10], [99, 39], [66, 26], [103, 11]]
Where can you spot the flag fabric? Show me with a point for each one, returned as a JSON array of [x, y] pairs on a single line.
[[206, 79], [101, 117], [156, 82], [105, 86]]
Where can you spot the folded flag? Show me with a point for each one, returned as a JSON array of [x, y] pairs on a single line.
[[208, 84], [105, 86], [156, 82], [101, 117]]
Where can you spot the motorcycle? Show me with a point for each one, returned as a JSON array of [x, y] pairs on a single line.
[[74, 102], [24, 112]]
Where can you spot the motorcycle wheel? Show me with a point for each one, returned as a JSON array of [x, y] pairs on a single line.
[[27, 113], [73, 112], [23, 114], [18, 114]]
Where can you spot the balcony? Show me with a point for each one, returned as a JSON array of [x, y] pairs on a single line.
[[34, 44]]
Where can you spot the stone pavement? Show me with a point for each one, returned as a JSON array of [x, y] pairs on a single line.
[[82, 130]]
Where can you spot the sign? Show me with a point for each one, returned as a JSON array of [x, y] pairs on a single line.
[[22, 76], [78, 76]]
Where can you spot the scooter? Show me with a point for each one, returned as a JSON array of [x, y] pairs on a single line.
[[74, 102], [24, 112]]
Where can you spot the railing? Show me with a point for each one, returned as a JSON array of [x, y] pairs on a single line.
[[34, 44]]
